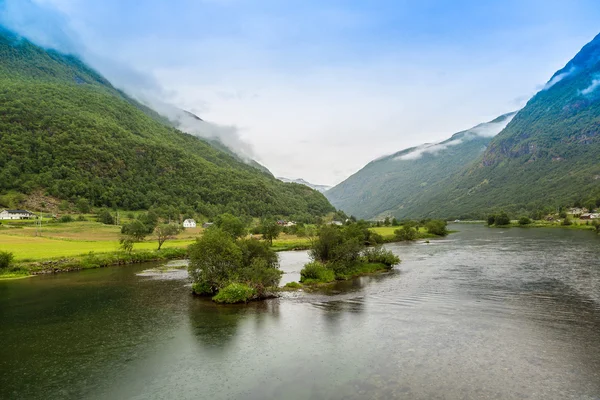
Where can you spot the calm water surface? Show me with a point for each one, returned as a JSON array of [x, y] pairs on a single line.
[[486, 313]]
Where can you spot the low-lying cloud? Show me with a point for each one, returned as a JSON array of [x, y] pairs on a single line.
[[558, 78], [590, 89], [489, 129], [49, 28]]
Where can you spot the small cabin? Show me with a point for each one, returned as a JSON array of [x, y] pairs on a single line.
[[207, 225], [16, 214], [189, 223]]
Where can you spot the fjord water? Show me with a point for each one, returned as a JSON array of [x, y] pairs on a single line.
[[485, 313]]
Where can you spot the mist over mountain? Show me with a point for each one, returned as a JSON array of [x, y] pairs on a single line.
[[400, 184], [66, 131], [300, 181], [546, 156]]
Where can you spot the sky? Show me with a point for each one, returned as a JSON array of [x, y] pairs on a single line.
[[316, 89]]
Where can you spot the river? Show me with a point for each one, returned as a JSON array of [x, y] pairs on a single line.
[[484, 314]]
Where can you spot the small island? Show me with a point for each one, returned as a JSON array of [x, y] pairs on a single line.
[[231, 268]]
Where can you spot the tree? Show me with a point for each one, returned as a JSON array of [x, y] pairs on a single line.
[[406, 233], [135, 230], [6, 259], [106, 217], [131, 233], [524, 221], [270, 230], [502, 219], [214, 258], [437, 227], [166, 232], [491, 220], [83, 206], [231, 224], [386, 221]]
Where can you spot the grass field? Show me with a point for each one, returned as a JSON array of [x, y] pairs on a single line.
[[61, 240]]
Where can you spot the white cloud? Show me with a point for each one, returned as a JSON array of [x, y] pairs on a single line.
[[595, 85], [559, 78], [489, 129]]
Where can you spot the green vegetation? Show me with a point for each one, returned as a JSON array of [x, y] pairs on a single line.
[[546, 158], [6, 260], [501, 219], [235, 293], [316, 272], [401, 187], [340, 253], [68, 133], [166, 232], [524, 221], [217, 260]]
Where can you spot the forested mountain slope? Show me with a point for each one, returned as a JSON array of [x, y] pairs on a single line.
[[65, 129], [400, 184], [548, 156]]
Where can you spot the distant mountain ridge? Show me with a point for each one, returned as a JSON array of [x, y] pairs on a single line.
[[300, 181], [399, 184], [547, 156]]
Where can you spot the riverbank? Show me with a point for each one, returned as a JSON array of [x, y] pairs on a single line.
[[84, 245], [90, 261]]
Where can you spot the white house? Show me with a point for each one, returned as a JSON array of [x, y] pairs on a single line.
[[189, 223], [16, 214]]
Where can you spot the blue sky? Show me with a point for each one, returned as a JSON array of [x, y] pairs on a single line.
[[319, 88]]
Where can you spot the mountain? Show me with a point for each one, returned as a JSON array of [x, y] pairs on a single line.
[[547, 156], [320, 188], [400, 184], [67, 132]]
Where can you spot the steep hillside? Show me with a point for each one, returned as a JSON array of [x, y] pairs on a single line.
[[400, 184], [66, 130], [549, 155]]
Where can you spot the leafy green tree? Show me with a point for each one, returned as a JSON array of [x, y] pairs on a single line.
[[524, 221], [405, 233], [270, 230], [135, 230], [105, 217], [166, 232], [6, 260], [386, 221], [491, 220], [502, 219], [214, 259], [231, 224], [83, 206], [437, 227]]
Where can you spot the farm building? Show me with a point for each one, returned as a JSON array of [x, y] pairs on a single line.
[[16, 214], [189, 223]]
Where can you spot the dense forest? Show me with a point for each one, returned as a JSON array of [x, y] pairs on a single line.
[[66, 130]]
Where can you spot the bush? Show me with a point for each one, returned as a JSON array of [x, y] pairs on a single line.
[[106, 217], [437, 227], [234, 293], [81, 218], [379, 255], [502, 219], [316, 272], [524, 221], [491, 220], [65, 219], [405, 233], [6, 260], [202, 288], [567, 222], [293, 285]]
